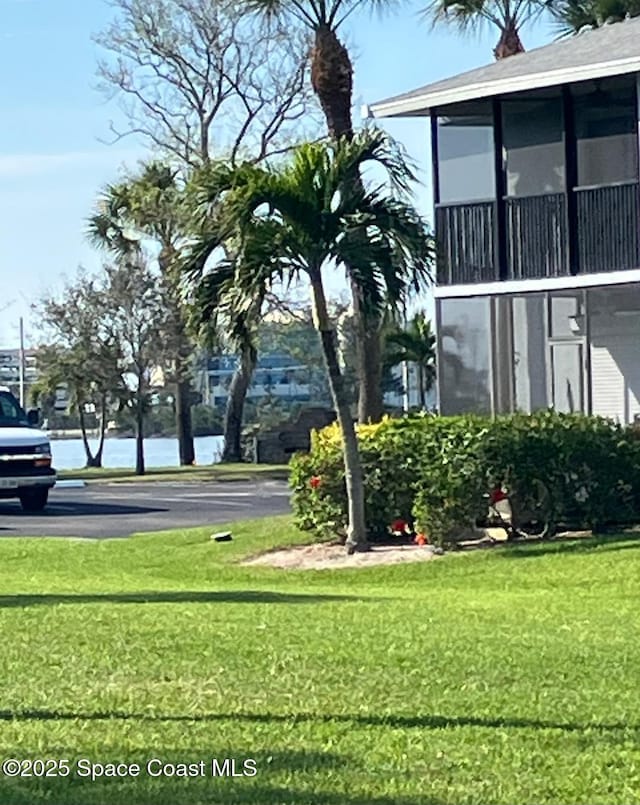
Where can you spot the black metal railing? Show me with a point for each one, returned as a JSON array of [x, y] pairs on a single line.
[[536, 235], [608, 227], [466, 243], [606, 235]]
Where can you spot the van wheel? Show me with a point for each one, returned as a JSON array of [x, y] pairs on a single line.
[[34, 500]]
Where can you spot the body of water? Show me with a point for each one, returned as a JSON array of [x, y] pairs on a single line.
[[69, 454]]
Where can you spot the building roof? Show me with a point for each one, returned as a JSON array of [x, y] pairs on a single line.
[[607, 51]]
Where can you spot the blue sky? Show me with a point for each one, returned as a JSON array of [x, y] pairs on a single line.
[[52, 160]]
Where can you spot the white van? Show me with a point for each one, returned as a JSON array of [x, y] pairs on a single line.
[[25, 456]]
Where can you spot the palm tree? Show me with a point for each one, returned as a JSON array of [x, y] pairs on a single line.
[[416, 344], [332, 82], [209, 315], [508, 16], [149, 206], [298, 221], [573, 16]]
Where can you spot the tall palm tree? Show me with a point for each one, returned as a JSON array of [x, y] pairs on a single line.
[[508, 16], [300, 220], [416, 344], [332, 81], [150, 206]]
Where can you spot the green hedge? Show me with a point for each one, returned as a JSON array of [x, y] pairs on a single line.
[[432, 471]]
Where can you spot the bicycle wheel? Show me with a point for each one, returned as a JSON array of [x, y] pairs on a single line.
[[532, 512]]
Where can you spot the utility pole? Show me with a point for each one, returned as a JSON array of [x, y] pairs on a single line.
[[21, 362], [405, 370]]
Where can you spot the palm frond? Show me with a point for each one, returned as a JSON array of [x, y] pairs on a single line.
[[312, 213]]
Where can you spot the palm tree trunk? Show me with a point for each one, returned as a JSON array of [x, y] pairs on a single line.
[[368, 360], [240, 382], [184, 427], [421, 386], [356, 528], [509, 43], [183, 349], [332, 81]]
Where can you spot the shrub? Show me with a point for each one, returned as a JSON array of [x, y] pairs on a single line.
[[434, 470], [390, 453]]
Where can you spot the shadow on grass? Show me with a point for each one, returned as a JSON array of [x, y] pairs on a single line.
[[425, 722], [177, 597], [575, 545], [261, 789]]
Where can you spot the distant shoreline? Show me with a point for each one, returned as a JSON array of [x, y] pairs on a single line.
[[64, 435]]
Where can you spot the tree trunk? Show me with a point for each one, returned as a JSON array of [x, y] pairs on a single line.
[[332, 81], [183, 348], [184, 428], [140, 428], [509, 43], [421, 386], [356, 529], [90, 458], [103, 427], [232, 451], [368, 360]]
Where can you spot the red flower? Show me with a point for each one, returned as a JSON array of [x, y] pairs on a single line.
[[315, 481], [398, 526], [497, 495]]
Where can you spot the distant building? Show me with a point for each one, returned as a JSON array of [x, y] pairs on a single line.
[[276, 375], [10, 368]]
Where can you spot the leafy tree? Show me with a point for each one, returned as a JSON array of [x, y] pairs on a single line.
[[288, 327], [508, 16], [82, 355], [415, 343], [134, 316], [300, 220]]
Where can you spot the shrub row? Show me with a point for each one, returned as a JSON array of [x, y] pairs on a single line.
[[432, 471]]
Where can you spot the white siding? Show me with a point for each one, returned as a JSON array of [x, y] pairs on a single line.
[[615, 364]]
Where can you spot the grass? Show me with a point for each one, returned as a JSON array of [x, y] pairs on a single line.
[[497, 678], [208, 472]]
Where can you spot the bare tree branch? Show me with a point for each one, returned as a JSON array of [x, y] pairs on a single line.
[[201, 80]]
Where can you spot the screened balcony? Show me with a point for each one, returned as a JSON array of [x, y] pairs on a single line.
[[538, 185]]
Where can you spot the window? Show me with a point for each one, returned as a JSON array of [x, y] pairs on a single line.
[[10, 412], [464, 356], [466, 160], [529, 352], [532, 131], [606, 131], [566, 314]]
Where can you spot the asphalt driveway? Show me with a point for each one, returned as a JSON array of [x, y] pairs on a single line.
[[118, 510]]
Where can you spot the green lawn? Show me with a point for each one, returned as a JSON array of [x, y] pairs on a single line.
[[493, 677], [205, 472]]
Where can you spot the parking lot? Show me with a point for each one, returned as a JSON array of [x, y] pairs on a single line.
[[99, 511]]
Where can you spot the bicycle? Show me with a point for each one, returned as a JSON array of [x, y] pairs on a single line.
[[522, 515]]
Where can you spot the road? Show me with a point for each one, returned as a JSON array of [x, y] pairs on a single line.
[[98, 511]]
